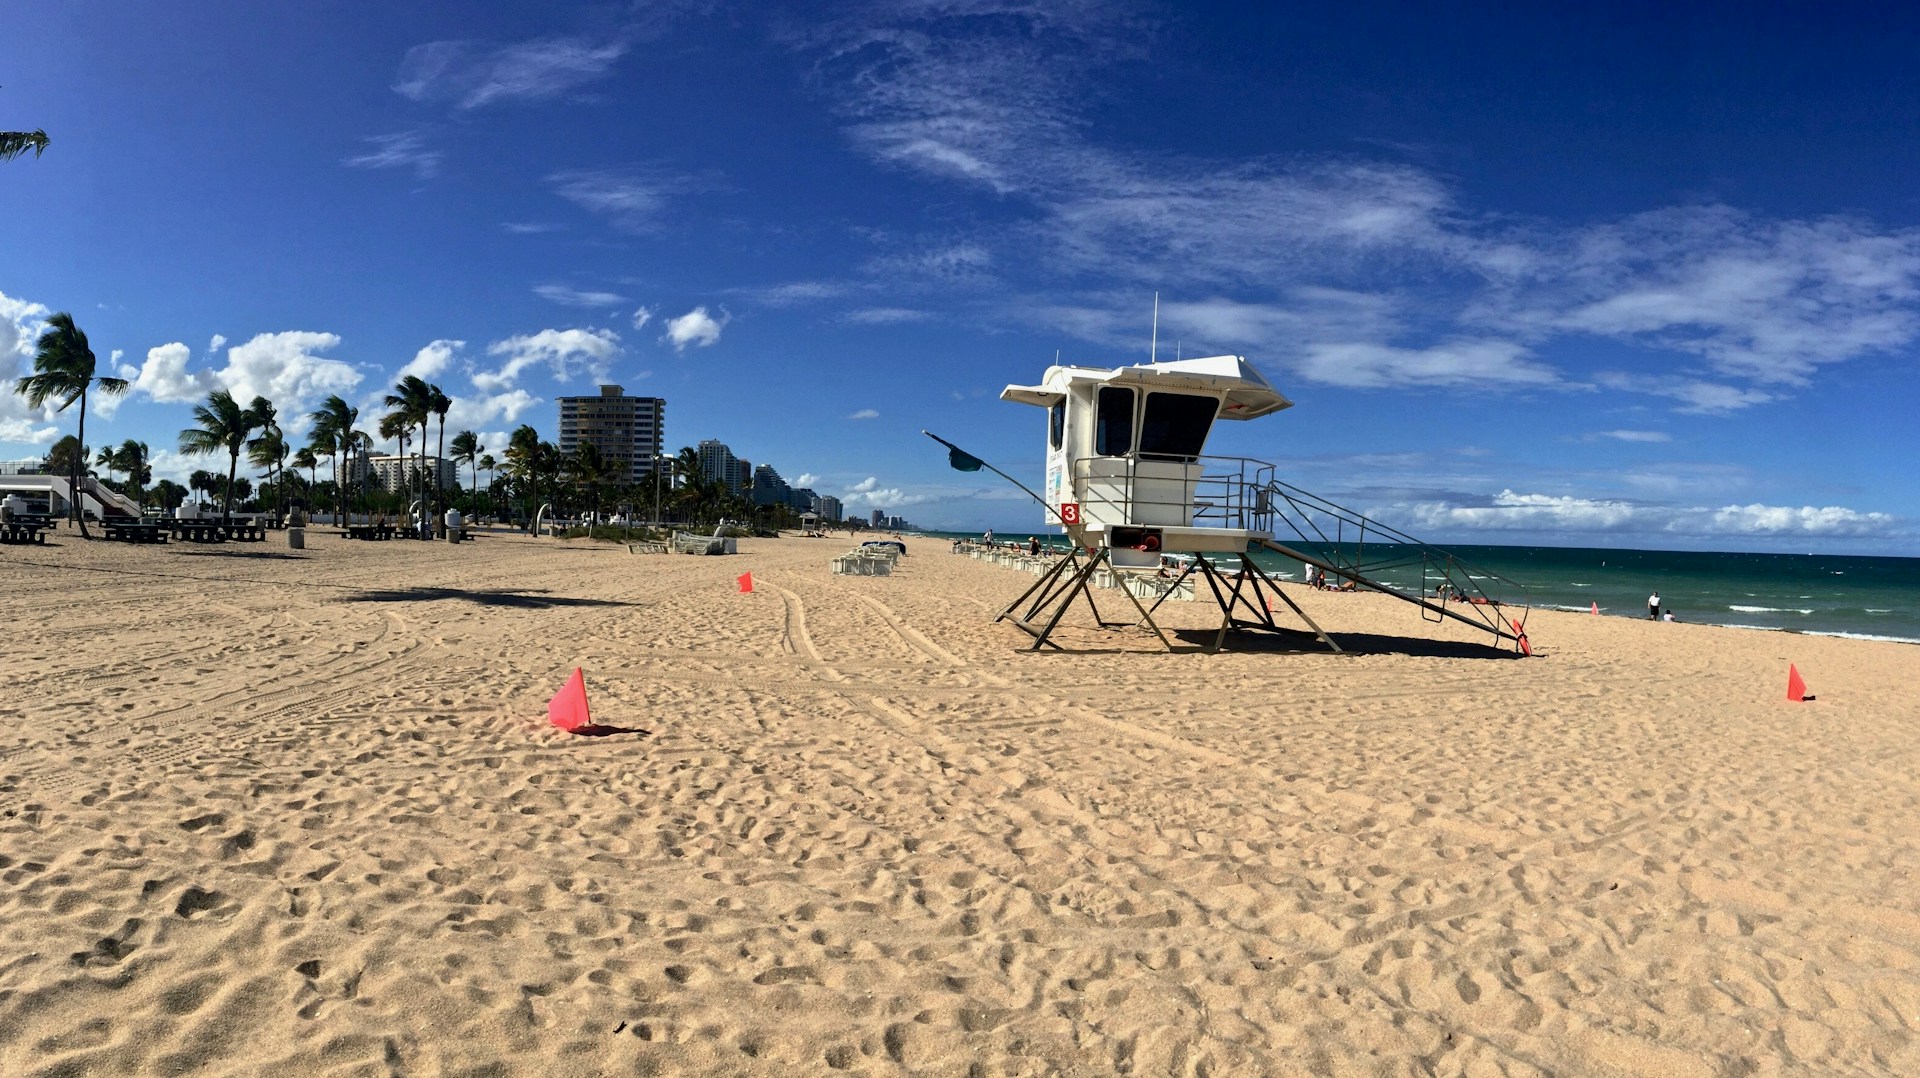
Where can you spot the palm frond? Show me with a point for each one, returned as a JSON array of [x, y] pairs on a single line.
[[15, 143]]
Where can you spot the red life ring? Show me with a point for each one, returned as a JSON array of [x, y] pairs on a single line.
[[1151, 542]]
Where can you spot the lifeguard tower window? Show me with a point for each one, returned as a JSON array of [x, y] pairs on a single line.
[[1056, 423], [1113, 422], [1176, 424]]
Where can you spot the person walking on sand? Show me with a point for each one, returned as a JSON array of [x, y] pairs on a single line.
[[1653, 606]]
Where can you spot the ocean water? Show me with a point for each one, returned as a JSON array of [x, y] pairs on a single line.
[[1831, 594]]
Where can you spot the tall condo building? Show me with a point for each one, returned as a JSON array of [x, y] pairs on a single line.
[[628, 431], [718, 464]]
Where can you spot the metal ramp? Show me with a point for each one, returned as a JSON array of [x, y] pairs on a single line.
[[1335, 539]]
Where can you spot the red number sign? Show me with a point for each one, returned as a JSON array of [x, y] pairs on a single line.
[[1070, 512]]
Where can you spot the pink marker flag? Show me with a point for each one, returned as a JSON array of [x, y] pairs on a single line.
[[568, 708], [1796, 688], [746, 582]]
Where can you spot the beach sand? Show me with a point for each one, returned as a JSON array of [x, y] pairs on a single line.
[[272, 811]]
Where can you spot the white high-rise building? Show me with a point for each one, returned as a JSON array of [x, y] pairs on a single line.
[[628, 431], [717, 463]]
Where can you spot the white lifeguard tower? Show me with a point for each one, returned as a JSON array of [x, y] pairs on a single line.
[[1128, 478]]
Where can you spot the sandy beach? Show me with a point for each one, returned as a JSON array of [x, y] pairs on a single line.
[[299, 812]]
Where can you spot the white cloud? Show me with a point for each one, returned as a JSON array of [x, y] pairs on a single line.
[[865, 413], [286, 368], [1636, 435], [404, 149], [530, 228], [632, 199], [797, 293], [574, 297], [164, 376], [946, 263], [1510, 511], [1769, 301], [1697, 397], [999, 103], [870, 493], [806, 479], [696, 328], [215, 344], [641, 316], [1455, 363], [565, 352], [885, 316], [429, 361], [471, 410], [470, 74]]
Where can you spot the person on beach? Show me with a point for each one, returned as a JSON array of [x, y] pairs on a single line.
[[1668, 616], [1653, 606], [1033, 546], [988, 538]]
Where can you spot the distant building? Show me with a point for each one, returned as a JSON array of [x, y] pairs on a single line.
[[628, 431], [393, 473], [879, 518], [769, 488], [719, 465], [829, 508]]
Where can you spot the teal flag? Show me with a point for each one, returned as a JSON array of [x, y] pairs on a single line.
[[962, 461]]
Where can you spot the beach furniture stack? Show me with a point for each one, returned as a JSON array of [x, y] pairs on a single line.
[[866, 561]]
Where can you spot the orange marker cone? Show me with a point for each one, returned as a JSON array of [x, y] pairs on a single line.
[[746, 582], [568, 708], [1796, 688]]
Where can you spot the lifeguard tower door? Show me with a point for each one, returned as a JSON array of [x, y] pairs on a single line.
[[1059, 490]]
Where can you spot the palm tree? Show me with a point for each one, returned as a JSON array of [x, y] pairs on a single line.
[[333, 435], [590, 470], [105, 461], [223, 425], [439, 404], [487, 462], [304, 458], [134, 460], [467, 450], [63, 370], [169, 494], [269, 451], [410, 403], [204, 483]]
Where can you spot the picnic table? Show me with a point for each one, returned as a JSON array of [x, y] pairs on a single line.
[[26, 528], [134, 531], [370, 531], [197, 531]]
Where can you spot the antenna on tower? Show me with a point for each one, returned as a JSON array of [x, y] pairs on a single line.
[[1153, 348]]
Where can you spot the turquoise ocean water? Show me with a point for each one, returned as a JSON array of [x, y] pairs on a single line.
[[1874, 598]]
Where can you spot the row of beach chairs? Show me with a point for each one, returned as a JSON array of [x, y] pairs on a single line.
[[1142, 583], [866, 561]]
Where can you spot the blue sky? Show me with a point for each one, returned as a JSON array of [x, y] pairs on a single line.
[[1620, 277]]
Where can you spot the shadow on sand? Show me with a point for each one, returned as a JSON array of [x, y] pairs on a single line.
[[1292, 641], [531, 600], [598, 730], [210, 551]]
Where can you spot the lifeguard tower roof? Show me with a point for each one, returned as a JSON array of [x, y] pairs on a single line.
[[1248, 395]]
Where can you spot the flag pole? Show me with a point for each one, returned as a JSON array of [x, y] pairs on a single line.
[[1029, 492]]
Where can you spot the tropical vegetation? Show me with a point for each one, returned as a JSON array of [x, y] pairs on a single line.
[[63, 371]]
